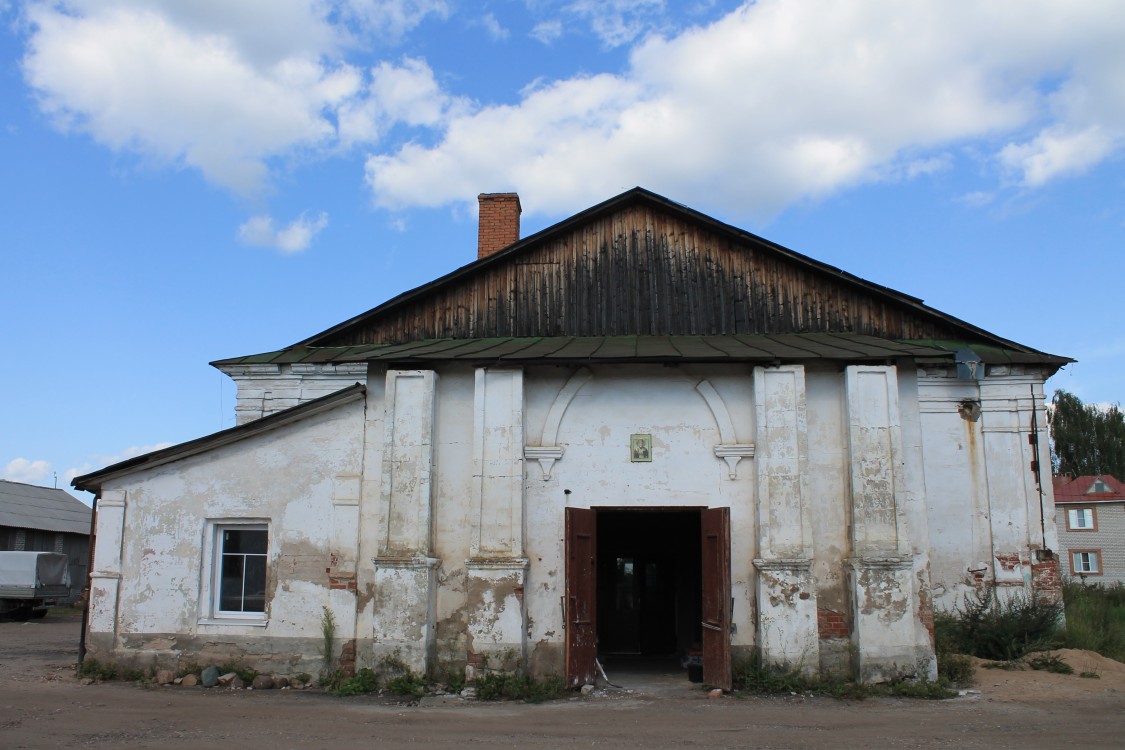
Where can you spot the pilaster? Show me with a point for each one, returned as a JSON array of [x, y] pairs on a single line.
[[405, 570], [888, 642], [105, 578], [786, 591], [497, 569]]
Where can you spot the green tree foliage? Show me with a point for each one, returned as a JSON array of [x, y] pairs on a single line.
[[1086, 439]]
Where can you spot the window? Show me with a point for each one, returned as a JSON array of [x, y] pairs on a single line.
[[239, 570], [1081, 519], [1085, 562]]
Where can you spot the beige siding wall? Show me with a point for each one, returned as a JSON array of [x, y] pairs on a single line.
[[1108, 539]]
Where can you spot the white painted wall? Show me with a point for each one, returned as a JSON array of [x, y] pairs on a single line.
[[300, 479], [453, 531]]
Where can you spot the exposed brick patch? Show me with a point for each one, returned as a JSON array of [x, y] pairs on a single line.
[[347, 658], [1046, 578], [831, 624], [1009, 562], [342, 583]]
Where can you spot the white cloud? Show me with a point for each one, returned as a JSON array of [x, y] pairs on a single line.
[[260, 231], [393, 18], [617, 22], [778, 101], [209, 86], [547, 31], [26, 471], [782, 100], [1056, 152], [493, 27]]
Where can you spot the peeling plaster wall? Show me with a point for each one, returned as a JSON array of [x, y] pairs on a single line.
[[983, 506], [352, 528], [596, 468], [300, 479]]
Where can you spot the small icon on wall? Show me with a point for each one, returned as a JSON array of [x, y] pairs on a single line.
[[640, 447]]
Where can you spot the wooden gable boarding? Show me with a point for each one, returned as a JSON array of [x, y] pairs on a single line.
[[640, 265]]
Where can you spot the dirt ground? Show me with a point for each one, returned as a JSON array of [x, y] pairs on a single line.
[[42, 705]]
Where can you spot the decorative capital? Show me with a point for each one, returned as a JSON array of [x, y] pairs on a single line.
[[732, 453], [546, 455]]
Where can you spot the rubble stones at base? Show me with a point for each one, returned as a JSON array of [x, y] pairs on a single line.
[[210, 677], [225, 679], [469, 693], [189, 680], [281, 682], [587, 689], [164, 677], [296, 684], [237, 683], [262, 682]]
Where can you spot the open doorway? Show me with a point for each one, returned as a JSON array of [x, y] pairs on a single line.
[[651, 584]]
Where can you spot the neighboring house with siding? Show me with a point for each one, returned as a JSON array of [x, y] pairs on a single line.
[[1090, 515], [639, 432], [43, 519]]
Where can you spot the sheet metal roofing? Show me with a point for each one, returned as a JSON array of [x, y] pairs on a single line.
[[27, 506], [1086, 489], [727, 348]]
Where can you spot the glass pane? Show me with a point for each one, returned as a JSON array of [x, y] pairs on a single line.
[[255, 588], [230, 586], [251, 541]]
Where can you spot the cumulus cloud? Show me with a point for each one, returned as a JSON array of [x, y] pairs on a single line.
[[27, 471], [780, 101], [261, 231], [775, 102], [206, 84]]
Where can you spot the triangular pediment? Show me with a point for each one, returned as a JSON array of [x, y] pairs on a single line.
[[641, 265]]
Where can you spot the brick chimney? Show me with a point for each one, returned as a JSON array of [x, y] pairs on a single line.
[[499, 222]]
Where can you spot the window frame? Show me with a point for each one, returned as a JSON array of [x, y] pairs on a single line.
[[1093, 519], [211, 583], [1097, 561]]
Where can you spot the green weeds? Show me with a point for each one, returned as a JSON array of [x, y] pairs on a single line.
[[1095, 618]]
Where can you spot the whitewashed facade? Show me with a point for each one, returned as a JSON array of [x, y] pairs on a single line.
[[425, 498]]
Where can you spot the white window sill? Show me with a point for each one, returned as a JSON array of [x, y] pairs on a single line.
[[236, 621]]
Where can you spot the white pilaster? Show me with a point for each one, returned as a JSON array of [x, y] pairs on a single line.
[[885, 607], [787, 624], [105, 579]]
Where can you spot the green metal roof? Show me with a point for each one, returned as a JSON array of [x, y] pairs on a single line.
[[729, 348]]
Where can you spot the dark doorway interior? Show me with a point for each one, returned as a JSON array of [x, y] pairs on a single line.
[[648, 582]]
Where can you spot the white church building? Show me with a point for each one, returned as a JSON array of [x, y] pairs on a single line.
[[638, 433]]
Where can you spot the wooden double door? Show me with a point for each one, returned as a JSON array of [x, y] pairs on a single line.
[[656, 582]]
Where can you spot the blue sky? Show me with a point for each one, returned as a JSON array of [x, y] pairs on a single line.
[[183, 182]]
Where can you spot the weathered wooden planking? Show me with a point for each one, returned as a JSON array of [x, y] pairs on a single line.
[[642, 272]]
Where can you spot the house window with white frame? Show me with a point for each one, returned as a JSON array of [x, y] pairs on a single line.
[[239, 570], [1081, 519], [1085, 562]]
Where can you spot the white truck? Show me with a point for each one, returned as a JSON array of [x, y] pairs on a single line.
[[30, 582]]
